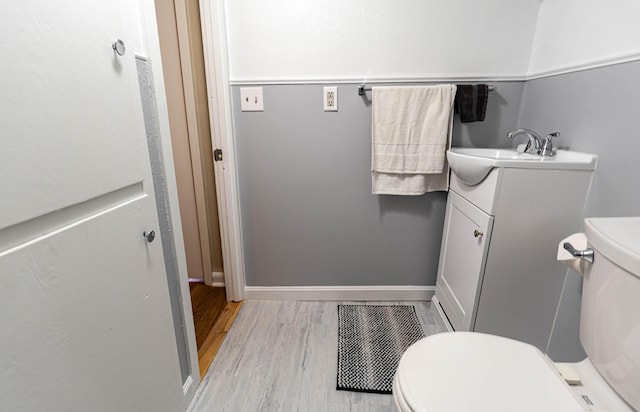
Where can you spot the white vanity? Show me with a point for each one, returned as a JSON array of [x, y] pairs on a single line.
[[506, 212]]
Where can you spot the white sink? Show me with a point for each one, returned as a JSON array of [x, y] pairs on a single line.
[[473, 165]]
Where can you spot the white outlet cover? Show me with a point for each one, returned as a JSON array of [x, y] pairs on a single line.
[[330, 99], [251, 99]]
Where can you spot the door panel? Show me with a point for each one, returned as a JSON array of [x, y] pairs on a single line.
[[462, 260], [85, 326], [69, 105]]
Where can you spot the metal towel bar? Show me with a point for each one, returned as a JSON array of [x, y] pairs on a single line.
[[362, 89]]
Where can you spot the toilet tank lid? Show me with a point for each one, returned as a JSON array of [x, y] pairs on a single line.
[[618, 238]]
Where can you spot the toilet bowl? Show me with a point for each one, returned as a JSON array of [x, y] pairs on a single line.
[[466, 371]]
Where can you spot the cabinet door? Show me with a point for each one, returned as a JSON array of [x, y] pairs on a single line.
[[467, 232]]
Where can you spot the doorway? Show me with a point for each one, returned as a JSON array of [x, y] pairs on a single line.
[[185, 84]]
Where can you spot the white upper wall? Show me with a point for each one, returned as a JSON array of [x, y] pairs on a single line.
[[575, 34], [293, 40]]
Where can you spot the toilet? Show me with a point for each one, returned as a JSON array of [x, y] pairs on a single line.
[[466, 371]]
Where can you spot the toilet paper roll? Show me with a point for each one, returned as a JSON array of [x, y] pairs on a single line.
[[578, 241]]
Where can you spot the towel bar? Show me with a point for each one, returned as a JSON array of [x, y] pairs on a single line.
[[362, 89]]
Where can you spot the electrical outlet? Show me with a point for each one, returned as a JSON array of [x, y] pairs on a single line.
[[330, 95], [251, 99]]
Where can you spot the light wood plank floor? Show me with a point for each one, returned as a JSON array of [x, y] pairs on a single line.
[[282, 356], [207, 303], [211, 345]]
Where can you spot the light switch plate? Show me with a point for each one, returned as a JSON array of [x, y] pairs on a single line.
[[251, 99]]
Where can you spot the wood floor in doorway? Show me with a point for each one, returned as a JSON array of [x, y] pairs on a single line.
[[212, 317]]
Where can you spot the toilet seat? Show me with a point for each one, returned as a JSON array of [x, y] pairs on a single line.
[[464, 371]]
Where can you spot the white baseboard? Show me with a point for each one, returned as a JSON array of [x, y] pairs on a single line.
[[439, 315], [187, 385], [218, 279], [357, 293]]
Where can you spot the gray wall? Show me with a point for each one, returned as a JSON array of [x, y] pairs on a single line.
[[596, 111], [308, 215], [502, 111], [309, 218]]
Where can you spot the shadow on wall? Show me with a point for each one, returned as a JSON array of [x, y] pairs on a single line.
[[427, 206], [502, 115]]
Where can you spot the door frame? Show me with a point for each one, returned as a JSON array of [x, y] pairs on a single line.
[[193, 134], [217, 73]]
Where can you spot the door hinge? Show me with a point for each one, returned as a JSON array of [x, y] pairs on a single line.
[[217, 155]]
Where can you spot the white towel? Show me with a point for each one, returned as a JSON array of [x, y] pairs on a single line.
[[411, 132]]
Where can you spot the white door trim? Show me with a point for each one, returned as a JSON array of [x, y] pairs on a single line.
[[217, 73], [194, 137]]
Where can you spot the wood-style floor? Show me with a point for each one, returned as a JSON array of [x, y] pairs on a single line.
[[207, 303], [212, 318], [282, 356]]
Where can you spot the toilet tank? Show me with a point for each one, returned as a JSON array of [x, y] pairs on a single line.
[[610, 316]]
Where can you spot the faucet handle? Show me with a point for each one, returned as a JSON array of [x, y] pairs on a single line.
[[547, 145]]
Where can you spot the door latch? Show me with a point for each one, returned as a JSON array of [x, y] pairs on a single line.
[[217, 155]]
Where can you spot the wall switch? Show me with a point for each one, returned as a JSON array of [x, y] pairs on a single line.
[[330, 95], [251, 99]]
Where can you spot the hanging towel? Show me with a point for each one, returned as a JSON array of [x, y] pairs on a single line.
[[411, 132], [471, 102]]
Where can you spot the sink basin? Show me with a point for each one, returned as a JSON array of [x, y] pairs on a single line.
[[472, 165]]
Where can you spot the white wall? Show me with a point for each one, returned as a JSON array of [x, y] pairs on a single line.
[[576, 34], [292, 40]]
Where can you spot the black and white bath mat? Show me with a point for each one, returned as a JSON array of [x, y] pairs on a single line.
[[371, 340]]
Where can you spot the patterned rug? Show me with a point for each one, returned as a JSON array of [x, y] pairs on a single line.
[[371, 340]]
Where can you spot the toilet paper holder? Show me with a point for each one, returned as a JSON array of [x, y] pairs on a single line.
[[586, 255]]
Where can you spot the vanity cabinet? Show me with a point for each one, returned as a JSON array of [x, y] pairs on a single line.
[[467, 230], [498, 272]]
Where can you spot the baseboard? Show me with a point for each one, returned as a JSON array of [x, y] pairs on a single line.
[[218, 279], [187, 385], [357, 293], [438, 314]]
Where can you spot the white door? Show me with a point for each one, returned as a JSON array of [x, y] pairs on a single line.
[[85, 318], [465, 241]]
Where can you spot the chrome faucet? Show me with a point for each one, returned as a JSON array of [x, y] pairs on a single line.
[[542, 148], [534, 138]]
